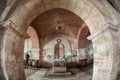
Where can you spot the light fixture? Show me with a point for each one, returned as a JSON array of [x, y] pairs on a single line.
[[58, 26]]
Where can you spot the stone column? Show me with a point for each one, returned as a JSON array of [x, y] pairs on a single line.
[[41, 58], [105, 53], [12, 53]]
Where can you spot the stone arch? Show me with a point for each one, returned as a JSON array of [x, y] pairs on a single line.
[[82, 36], [102, 31], [12, 50], [33, 40], [81, 9], [33, 34]]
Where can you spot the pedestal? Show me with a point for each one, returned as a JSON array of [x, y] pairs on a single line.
[[59, 65]]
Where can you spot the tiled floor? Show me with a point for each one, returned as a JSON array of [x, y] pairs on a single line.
[[81, 74]]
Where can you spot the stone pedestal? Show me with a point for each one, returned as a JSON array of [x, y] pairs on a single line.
[[59, 65]]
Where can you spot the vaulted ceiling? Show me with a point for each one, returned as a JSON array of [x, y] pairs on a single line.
[[45, 25]]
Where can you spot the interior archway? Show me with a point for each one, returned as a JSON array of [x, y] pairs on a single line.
[[99, 27], [35, 43], [31, 46]]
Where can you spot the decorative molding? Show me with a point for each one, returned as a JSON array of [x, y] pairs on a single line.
[[105, 27], [11, 26]]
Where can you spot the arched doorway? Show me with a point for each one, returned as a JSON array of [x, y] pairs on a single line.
[[102, 30], [31, 46]]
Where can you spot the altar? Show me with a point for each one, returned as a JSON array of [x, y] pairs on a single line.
[[59, 65]]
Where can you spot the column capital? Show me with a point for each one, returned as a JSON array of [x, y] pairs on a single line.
[[105, 27], [13, 28]]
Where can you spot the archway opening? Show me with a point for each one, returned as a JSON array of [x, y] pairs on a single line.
[[72, 33], [31, 52], [101, 25]]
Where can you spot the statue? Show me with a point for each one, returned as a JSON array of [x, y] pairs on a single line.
[[59, 52]]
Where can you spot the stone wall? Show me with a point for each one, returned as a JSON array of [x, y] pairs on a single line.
[[13, 54], [105, 61]]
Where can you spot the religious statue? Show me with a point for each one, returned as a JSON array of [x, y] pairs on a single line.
[[59, 52]]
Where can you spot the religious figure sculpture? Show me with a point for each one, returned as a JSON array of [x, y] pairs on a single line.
[[59, 52]]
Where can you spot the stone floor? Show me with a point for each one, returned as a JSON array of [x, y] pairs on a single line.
[[30, 71], [80, 74]]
